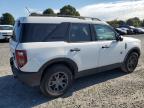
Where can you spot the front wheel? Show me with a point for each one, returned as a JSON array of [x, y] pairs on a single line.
[[130, 63], [56, 81]]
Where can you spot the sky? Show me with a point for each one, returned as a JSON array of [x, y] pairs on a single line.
[[103, 9]]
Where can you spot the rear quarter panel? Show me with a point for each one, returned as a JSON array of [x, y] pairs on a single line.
[[39, 53]]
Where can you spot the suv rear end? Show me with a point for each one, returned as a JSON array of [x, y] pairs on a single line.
[[28, 44], [19, 57]]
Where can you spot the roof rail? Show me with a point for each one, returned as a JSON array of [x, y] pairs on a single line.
[[80, 17]]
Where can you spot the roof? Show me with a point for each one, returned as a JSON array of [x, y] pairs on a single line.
[[51, 19]]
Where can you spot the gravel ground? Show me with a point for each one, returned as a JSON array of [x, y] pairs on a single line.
[[111, 89]]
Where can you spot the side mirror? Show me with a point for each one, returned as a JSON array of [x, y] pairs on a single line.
[[119, 38]]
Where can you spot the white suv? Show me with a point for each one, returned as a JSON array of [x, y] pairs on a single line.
[[6, 32], [53, 51]]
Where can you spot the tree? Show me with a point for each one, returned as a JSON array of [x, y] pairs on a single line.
[[121, 22], [34, 14], [7, 18], [48, 11], [116, 23], [68, 10], [142, 23], [134, 22]]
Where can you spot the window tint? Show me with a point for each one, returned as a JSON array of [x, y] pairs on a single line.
[[44, 32], [80, 33], [37, 32], [104, 32], [59, 34]]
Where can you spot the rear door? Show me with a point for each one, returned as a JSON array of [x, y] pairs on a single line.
[[82, 47]]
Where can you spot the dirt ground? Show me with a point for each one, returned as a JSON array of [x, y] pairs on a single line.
[[110, 89]]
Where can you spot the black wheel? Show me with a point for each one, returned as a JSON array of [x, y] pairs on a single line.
[[56, 81], [131, 63]]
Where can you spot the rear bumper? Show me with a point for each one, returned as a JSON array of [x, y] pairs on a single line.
[[29, 78]]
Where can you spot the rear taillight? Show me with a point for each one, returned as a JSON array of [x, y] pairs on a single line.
[[21, 58]]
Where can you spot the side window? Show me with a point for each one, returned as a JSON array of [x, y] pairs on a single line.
[[35, 32], [80, 33], [104, 32], [60, 33]]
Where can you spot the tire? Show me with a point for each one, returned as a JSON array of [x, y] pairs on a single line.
[[130, 63], [56, 81]]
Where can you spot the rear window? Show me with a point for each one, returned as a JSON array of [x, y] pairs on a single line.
[[43, 32]]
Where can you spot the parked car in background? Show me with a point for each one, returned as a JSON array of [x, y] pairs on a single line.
[[121, 31], [6, 32], [132, 30], [139, 30], [132, 27], [129, 29]]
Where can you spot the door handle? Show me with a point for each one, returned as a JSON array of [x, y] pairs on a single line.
[[105, 46], [75, 50]]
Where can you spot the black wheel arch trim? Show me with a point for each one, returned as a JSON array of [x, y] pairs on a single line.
[[68, 62], [135, 49]]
